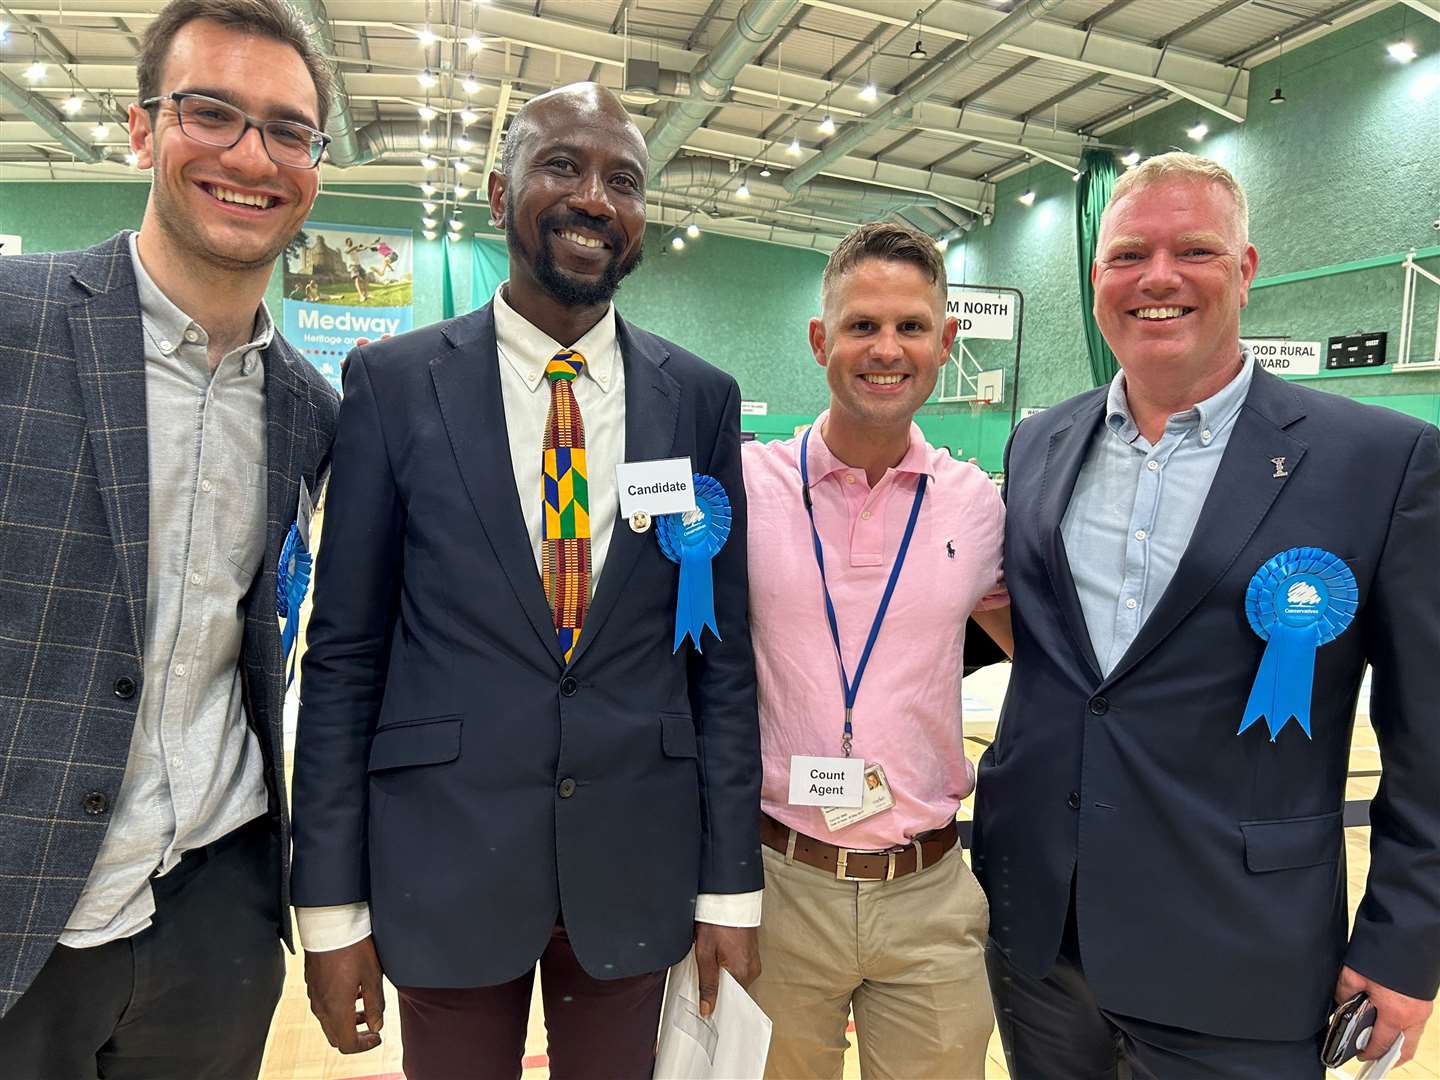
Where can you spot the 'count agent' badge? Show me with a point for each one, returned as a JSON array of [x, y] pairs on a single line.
[[1299, 600], [692, 539]]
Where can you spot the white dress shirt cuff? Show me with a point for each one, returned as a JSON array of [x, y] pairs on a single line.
[[729, 909], [325, 929]]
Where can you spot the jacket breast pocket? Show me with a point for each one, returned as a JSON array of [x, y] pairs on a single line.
[[677, 735], [1292, 843], [433, 741]]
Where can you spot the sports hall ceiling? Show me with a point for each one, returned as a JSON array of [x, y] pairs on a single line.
[[963, 92]]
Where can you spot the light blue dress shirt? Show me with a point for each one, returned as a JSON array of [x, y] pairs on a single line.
[[1135, 506]]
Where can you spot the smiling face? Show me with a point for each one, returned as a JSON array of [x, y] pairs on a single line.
[[573, 202], [881, 341], [234, 209], [1172, 272]]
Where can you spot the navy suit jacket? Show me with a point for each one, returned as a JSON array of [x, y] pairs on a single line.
[[1209, 867], [440, 723]]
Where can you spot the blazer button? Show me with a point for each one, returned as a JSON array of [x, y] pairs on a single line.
[[568, 686], [95, 803], [1099, 706], [1074, 800], [567, 788], [125, 687]]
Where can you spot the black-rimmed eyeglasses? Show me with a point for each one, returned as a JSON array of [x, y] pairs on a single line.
[[218, 123]]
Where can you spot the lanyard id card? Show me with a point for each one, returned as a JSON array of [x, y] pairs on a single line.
[[875, 798]]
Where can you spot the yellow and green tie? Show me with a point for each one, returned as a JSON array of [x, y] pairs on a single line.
[[566, 532]]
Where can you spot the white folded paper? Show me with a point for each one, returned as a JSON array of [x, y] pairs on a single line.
[[729, 1044], [1374, 1070]]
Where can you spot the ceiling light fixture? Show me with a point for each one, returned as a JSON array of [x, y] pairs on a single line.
[[743, 191], [428, 222], [1198, 132], [426, 38], [765, 171], [1402, 52], [428, 189], [455, 222], [426, 113], [794, 148], [462, 166], [427, 79], [35, 72], [826, 126], [678, 243], [692, 230], [429, 234], [869, 92], [99, 131], [1028, 199], [1278, 98], [73, 104], [427, 163], [427, 140], [918, 52], [943, 243], [474, 43], [470, 86], [461, 191], [428, 207], [132, 158], [1131, 159], [468, 116]]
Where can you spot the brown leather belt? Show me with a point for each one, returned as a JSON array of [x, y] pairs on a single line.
[[847, 865]]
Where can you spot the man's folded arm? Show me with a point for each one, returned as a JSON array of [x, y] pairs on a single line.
[[343, 674]]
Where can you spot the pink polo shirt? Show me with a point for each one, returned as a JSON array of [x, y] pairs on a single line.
[[907, 713]]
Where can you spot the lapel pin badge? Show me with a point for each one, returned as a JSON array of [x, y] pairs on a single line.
[[640, 522], [1279, 463]]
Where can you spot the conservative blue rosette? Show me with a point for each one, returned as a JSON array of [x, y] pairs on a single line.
[[692, 539], [292, 579], [1299, 600]]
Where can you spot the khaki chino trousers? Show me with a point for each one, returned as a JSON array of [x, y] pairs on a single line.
[[907, 956]]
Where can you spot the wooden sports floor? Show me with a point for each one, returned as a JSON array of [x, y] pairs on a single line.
[[298, 1051]]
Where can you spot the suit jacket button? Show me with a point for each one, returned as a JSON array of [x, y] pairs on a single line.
[[125, 687], [1099, 706], [568, 686], [95, 803], [567, 788], [1074, 800]]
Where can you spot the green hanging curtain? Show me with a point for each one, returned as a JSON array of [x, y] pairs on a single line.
[[489, 266], [1097, 181], [447, 286]]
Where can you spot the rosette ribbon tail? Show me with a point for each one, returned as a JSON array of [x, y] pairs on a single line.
[[292, 580], [695, 601], [1284, 682]]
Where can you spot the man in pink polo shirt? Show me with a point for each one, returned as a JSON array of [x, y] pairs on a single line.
[[869, 548]]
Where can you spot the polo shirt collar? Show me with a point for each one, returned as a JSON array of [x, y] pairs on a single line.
[[918, 457]]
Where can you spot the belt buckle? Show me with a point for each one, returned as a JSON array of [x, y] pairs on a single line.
[[841, 858]]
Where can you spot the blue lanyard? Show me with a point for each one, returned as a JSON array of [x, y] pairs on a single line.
[[852, 689]]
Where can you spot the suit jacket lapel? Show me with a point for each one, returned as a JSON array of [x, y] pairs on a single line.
[[107, 335], [467, 386], [1066, 453], [652, 408], [1243, 491], [286, 423]]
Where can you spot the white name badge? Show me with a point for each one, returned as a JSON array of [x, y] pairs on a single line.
[[826, 781], [665, 486]]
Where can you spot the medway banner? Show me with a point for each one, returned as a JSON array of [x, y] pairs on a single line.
[[344, 288]]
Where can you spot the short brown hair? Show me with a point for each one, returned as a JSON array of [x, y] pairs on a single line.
[[891, 241], [273, 19]]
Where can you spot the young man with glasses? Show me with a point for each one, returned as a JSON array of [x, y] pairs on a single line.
[[156, 433]]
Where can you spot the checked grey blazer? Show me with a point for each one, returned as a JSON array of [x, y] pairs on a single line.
[[74, 519]]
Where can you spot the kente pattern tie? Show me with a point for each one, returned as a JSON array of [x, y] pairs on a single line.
[[565, 543]]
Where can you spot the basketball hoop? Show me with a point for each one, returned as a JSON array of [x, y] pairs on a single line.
[[984, 396]]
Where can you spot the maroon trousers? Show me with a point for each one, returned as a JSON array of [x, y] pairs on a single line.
[[597, 1029]]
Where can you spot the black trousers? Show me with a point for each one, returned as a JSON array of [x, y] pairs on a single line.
[[1053, 1027], [188, 998]]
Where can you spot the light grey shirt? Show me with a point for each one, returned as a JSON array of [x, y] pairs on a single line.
[[195, 770], [1135, 506]]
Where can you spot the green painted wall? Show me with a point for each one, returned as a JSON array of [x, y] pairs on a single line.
[[1346, 169]]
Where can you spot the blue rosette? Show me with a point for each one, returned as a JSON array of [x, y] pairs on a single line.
[[693, 539], [1299, 600], [292, 579]]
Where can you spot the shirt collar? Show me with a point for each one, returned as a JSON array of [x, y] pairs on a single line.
[[168, 324], [1212, 414], [918, 459], [528, 349]]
